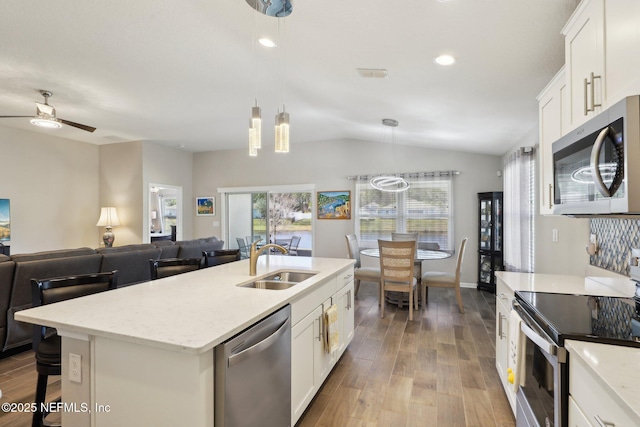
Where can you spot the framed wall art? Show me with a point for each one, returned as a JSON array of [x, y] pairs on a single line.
[[5, 220], [205, 206], [334, 205]]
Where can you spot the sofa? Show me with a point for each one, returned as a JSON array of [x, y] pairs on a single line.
[[131, 261]]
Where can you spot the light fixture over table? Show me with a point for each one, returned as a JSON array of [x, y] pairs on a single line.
[[390, 183], [108, 218]]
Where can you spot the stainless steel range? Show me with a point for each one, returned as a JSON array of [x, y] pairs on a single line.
[[548, 320]]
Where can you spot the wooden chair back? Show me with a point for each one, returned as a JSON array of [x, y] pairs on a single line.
[[396, 260]]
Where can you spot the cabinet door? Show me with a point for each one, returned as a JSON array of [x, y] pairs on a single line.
[[551, 106], [504, 297], [344, 299], [324, 360], [576, 417], [304, 337], [584, 55], [622, 56]]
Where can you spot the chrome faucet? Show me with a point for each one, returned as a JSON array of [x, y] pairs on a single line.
[[255, 253]]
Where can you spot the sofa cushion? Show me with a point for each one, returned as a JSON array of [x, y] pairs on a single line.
[[62, 253], [132, 266], [194, 250], [126, 248], [19, 333], [168, 250]]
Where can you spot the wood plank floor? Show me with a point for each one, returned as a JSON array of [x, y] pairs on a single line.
[[438, 370]]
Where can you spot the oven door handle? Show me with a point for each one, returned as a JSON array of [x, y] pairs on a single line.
[[538, 340]]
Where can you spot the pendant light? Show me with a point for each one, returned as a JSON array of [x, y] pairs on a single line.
[[390, 183], [255, 130], [282, 132], [255, 124]]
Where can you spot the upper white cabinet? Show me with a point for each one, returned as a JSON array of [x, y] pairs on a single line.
[[601, 56], [584, 60], [622, 49], [552, 116]]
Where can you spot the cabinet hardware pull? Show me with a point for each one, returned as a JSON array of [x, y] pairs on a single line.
[[500, 326], [593, 92], [320, 327], [603, 423], [586, 98], [550, 196], [349, 300]]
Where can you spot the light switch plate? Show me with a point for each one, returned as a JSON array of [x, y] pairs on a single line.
[[75, 368]]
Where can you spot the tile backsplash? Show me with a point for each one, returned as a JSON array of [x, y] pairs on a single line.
[[616, 237]]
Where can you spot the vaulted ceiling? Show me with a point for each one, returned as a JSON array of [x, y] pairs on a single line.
[[185, 73]]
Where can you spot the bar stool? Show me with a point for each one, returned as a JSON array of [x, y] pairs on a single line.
[[46, 342]]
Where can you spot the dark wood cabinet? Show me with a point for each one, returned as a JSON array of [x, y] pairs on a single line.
[[489, 239], [5, 249]]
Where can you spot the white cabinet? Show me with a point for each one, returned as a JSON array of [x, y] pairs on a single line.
[[584, 61], [552, 113], [594, 403], [504, 298], [601, 56], [576, 417], [310, 363], [304, 336], [622, 55]]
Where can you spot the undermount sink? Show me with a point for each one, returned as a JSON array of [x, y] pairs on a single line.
[[270, 284], [289, 276], [279, 281]]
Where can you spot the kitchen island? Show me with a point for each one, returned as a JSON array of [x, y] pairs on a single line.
[[147, 350]]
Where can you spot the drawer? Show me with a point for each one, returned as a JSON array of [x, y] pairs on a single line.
[[593, 399], [345, 277], [576, 417]]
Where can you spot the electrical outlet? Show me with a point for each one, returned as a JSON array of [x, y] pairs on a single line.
[[554, 235], [75, 368]]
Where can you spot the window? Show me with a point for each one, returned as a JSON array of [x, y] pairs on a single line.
[[425, 208]]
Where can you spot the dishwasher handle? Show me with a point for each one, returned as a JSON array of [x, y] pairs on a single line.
[[258, 347]]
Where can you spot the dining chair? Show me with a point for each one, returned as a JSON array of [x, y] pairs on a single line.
[[439, 279], [293, 245], [46, 342], [396, 271], [244, 249], [367, 274], [401, 237], [171, 266]]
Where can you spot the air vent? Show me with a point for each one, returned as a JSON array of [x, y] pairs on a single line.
[[373, 73]]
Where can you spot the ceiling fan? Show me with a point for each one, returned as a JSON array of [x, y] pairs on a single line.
[[46, 116]]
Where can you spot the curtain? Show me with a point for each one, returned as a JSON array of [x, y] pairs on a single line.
[[519, 210]]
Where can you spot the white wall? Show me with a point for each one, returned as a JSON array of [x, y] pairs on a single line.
[[327, 165], [53, 187], [169, 166]]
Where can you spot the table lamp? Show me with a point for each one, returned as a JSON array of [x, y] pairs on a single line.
[[108, 219]]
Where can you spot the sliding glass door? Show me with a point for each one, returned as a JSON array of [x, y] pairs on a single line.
[[272, 216]]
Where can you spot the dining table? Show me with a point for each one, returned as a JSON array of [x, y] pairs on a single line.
[[400, 298]]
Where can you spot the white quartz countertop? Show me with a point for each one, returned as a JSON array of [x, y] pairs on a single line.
[[616, 368], [565, 284], [190, 312]]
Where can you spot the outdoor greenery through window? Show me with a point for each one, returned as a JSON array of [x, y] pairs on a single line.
[[425, 208], [285, 214]]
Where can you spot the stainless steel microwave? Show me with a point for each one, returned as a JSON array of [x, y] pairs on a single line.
[[596, 167]]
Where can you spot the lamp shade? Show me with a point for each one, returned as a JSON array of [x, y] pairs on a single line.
[[108, 217]]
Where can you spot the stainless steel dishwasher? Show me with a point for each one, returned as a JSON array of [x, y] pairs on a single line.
[[253, 375]]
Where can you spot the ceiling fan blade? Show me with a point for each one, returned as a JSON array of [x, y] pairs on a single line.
[[13, 117], [77, 125]]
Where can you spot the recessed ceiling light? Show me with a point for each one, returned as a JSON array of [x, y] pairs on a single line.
[[445, 60], [267, 42]]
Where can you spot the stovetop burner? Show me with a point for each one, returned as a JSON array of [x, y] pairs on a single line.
[[608, 320]]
